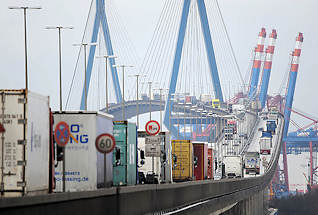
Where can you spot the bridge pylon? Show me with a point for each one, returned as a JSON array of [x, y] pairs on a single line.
[[178, 53], [100, 23]]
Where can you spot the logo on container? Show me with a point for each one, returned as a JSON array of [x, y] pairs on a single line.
[[76, 136]]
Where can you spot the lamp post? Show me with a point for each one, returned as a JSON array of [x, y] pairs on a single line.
[[106, 76], [123, 99], [192, 111], [25, 38], [59, 28], [85, 67], [160, 94], [137, 76], [150, 83]]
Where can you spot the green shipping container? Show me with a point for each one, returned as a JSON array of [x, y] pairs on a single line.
[[124, 169]]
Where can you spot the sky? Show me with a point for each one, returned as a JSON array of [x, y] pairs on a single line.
[[243, 19]]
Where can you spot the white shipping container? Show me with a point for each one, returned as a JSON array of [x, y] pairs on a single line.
[[162, 168], [233, 166], [265, 145], [25, 145], [84, 165]]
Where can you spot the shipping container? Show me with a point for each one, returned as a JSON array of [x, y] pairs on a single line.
[[210, 163], [25, 145], [271, 126], [162, 164], [125, 153], [182, 160], [84, 165], [265, 145], [233, 166], [200, 152]]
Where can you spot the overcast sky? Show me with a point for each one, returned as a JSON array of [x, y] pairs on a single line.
[[243, 19]]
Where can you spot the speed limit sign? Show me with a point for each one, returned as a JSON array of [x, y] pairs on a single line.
[[105, 143]]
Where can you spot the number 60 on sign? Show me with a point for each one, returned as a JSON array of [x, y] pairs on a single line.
[[105, 143]]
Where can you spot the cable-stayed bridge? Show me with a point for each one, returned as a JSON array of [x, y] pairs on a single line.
[[191, 58]]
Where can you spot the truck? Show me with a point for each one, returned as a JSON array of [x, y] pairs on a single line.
[[125, 153], [228, 133], [265, 143], [271, 126], [182, 160], [200, 151], [216, 103], [252, 163], [206, 98], [273, 113], [232, 124], [85, 167], [162, 164], [26, 149], [233, 166]]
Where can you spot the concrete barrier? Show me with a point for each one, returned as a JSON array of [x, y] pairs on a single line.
[[145, 199]]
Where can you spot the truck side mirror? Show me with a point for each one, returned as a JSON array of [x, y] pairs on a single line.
[[142, 154], [59, 153], [164, 157], [209, 163], [195, 162], [175, 159], [117, 156]]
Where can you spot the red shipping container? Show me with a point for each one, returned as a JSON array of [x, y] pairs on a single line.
[[210, 164], [200, 152]]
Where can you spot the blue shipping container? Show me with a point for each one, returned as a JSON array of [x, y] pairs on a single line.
[[266, 134]]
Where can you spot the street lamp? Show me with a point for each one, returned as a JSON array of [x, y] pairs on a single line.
[[25, 39], [123, 99], [85, 67], [106, 79], [160, 94], [150, 90], [59, 28], [137, 76]]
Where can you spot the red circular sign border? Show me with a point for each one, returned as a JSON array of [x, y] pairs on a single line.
[[55, 131], [102, 135], [148, 124]]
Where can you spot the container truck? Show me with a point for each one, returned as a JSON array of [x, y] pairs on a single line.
[[271, 126], [252, 163], [206, 98], [233, 166], [125, 153], [200, 152], [265, 143], [25, 145], [162, 164], [216, 103], [84, 165], [231, 124], [182, 160]]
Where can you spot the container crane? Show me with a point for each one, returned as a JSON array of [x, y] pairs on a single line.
[[267, 67], [257, 64], [289, 98]]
